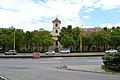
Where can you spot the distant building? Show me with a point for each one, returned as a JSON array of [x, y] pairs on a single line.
[[90, 30]]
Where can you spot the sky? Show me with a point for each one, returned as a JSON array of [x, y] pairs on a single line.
[[31, 15]]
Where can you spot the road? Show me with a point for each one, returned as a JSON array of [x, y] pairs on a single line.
[[45, 69]]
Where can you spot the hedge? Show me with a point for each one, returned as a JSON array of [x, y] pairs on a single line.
[[112, 61]]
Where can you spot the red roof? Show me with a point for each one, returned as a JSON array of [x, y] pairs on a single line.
[[56, 20]]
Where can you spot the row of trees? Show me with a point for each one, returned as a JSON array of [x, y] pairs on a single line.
[[100, 40], [26, 40], [69, 38]]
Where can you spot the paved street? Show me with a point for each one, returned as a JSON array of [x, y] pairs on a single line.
[[46, 69]]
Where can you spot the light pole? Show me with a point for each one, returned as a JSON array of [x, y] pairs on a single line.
[[81, 39], [14, 38]]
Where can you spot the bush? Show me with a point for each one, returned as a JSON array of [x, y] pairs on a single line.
[[112, 61]]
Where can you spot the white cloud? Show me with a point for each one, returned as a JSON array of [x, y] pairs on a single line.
[[89, 10], [103, 4], [110, 25], [28, 14], [107, 4], [23, 12], [86, 17]]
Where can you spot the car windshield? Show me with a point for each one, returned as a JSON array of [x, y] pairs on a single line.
[[50, 51], [12, 51]]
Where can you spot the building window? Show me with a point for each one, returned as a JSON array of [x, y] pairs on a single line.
[[56, 43], [56, 25], [56, 31]]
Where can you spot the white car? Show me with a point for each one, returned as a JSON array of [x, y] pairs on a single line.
[[111, 51], [11, 52], [65, 51], [51, 52]]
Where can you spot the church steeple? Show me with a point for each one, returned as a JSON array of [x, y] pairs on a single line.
[[55, 33], [56, 20], [56, 23]]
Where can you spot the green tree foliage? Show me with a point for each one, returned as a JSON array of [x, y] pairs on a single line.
[[70, 37], [101, 38], [66, 41], [76, 38], [115, 37], [87, 41], [19, 38], [112, 61], [42, 38], [28, 39]]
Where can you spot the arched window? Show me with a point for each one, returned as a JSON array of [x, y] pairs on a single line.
[[56, 31], [56, 25], [56, 43]]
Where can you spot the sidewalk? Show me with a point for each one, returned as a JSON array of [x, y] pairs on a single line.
[[88, 68]]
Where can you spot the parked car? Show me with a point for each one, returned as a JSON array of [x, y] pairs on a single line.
[[51, 52], [65, 51], [111, 51], [11, 52]]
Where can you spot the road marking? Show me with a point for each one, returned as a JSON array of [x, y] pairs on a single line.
[[95, 61], [59, 58], [50, 62]]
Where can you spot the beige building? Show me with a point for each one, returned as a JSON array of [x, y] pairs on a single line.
[[90, 30], [55, 33]]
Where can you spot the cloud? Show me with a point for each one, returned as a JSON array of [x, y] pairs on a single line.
[[110, 25], [90, 5], [26, 13], [86, 17], [35, 14], [107, 4]]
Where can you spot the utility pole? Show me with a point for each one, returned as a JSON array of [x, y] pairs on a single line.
[[13, 37], [81, 39]]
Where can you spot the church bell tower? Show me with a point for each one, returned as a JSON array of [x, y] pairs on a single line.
[[55, 33]]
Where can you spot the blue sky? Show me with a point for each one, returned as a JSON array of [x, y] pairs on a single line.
[[32, 15]]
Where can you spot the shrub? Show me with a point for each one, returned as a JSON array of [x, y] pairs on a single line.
[[112, 61]]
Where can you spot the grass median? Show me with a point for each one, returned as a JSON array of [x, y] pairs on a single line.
[[1, 78]]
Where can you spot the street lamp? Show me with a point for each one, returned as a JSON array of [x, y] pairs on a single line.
[[14, 38], [81, 39]]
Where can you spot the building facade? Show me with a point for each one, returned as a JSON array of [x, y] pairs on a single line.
[[90, 30]]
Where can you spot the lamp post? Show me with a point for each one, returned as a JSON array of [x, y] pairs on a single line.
[[81, 39], [14, 38]]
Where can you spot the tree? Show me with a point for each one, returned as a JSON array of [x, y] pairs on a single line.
[[115, 37], [28, 40], [42, 38], [66, 41], [87, 41], [76, 38], [19, 38]]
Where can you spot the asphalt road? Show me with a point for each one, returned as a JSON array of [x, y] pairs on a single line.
[[45, 69]]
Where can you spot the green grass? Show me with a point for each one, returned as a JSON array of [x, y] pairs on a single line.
[[110, 70], [1, 78]]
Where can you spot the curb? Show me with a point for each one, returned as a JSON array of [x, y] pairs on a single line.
[[49, 56], [67, 68]]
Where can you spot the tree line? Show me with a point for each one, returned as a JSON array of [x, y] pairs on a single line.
[[101, 40], [69, 38], [25, 41]]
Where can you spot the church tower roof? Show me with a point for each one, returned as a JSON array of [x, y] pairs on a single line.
[[56, 20]]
